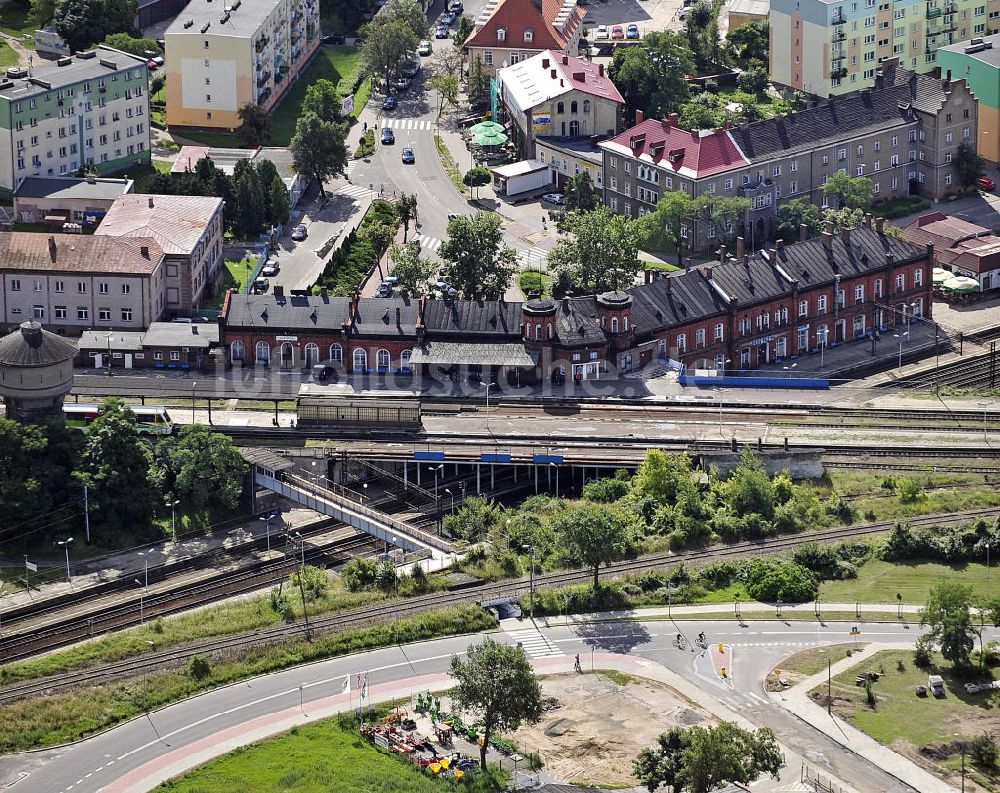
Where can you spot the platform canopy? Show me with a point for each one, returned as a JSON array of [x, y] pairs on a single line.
[[469, 353]]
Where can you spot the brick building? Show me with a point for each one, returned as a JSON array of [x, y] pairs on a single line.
[[738, 313]]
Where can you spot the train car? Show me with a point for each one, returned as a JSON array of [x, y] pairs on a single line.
[[149, 419], [319, 406]]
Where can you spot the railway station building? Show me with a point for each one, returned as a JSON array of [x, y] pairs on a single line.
[[738, 313]]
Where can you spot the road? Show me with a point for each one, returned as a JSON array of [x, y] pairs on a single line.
[[149, 749]]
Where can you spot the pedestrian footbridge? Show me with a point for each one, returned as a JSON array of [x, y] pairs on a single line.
[[275, 473]]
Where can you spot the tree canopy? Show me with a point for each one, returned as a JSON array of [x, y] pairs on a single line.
[[496, 682], [595, 535], [600, 251], [852, 192], [480, 265], [792, 214], [747, 45], [969, 166], [411, 269], [322, 101], [255, 125], [579, 193], [319, 149], [205, 468], [949, 621], [83, 23], [651, 76]]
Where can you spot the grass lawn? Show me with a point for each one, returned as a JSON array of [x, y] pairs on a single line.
[[16, 20], [878, 582], [7, 55], [314, 758], [810, 662], [535, 281], [142, 174], [235, 276], [905, 721], [656, 264]]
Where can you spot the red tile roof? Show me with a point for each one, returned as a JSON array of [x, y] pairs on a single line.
[[81, 253], [692, 154], [516, 16]]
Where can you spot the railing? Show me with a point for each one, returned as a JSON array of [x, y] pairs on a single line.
[[838, 35], [838, 19]]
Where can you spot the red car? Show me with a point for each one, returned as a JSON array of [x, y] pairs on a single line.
[[617, 32], [985, 183]]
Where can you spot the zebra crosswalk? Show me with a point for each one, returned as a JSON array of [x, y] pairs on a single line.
[[534, 643], [406, 123], [429, 243], [533, 258], [356, 191]]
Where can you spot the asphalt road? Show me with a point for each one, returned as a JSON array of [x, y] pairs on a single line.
[[97, 762]]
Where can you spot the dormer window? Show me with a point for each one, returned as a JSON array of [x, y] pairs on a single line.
[[501, 34], [529, 34]]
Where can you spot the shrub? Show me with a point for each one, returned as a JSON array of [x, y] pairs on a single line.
[[605, 490], [922, 653], [983, 751], [311, 581], [199, 668], [774, 579], [909, 490], [281, 604], [473, 520], [359, 574]]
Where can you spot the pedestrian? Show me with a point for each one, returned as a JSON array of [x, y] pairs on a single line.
[[365, 128]]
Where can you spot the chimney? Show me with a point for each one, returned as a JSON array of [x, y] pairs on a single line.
[[778, 245], [580, 77], [545, 63], [803, 232], [647, 276], [888, 258], [687, 263], [845, 235], [600, 70], [565, 60], [639, 117], [827, 236], [740, 248], [553, 73], [772, 255], [323, 292], [868, 220], [398, 321], [672, 119], [151, 202], [880, 225], [144, 251], [52, 248], [706, 273], [722, 254], [565, 304]]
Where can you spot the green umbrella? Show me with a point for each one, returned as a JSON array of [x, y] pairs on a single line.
[[939, 276], [486, 126], [491, 138], [961, 284]]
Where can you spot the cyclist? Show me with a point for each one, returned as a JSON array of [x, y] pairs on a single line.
[[677, 641], [576, 663], [701, 637]]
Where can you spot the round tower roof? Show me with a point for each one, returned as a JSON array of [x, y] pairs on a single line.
[[31, 345], [540, 305], [614, 299]]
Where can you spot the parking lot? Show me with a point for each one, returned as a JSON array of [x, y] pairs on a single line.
[[648, 15]]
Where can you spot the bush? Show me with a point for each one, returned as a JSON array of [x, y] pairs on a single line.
[[311, 582], [983, 751], [922, 653], [909, 490], [199, 668], [473, 520], [605, 490], [772, 579], [359, 574]]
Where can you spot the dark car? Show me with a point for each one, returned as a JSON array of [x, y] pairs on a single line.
[[387, 136], [456, 7], [632, 32], [408, 158], [389, 103]]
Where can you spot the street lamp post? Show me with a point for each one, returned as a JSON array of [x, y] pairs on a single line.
[[531, 579], [145, 565], [822, 345], [985, 405], [437, 498], [172, 503], [488, 387], [446, 490], [142, 610], [901, 337], [110, 334], [193, 386], [65, 546]]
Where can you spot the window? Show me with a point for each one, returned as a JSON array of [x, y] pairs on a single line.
[[529, 34], [60, 286], [586, 105], [699, 337], [878, 287], [102, 288], [859, 293], [360, 360], [82, 312], [729, 184], [404, 359], [918, 277], [158, 355], [614, 324], [572, 106], [175, 355], [236, 351], [719, 332], [900, 282], [681, 342], [262, 353], [560, 108], [81, 287], [488, 58], [38, 312], [60, 312], [803, 308], [821, 304], [841, 154], [501, 36], [104, 314], [125, 289], [15, 284]]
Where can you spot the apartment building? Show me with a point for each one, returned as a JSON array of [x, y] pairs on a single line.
[[826, 47], [978, 63], [189, 231], [902, 134], [220, 57], [91, 108], [559, 95], [510, 31], [74, 282]]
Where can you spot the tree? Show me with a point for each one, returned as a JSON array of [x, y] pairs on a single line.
[[30, 484], [115, 467], [463, 31], [496, 682], [255, 125], [126, 43], [651, 76], [595, 535], [447, 85], [280, 203], [477, 177], [852, 192], [319, 149], [950, 622], [480, 265], [387, 44], [749, 490], [699, 115], [80, 22], [674, 211], [407, 12], [599, 252], [579, 193], [701, 28], [754, 80], [792, 214], [249, 199], [322, 101], [969, 166], [747, 45], [450, 60], [42, 11], [410, 268], [207, 468], [478, 88], [406, 206], [660, 476], [702, 759], [722, 211]]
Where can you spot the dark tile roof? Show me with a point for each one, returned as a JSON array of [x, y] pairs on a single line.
[[376, 316], [577, 322], [472, 317], [751, 281], [883, 107], [32, 345], [268, 311], [674, 300]]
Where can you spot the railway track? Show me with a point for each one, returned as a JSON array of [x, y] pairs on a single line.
[[972, 372], [390, 610]]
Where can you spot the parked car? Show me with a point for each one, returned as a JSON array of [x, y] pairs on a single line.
[[617, 32], [389, 103], [408, 158], [985, 183], [299, 232], [683, 12], [384, 290], [425, 48], [456, 7], [602, 32], [270, 269], [158, 60], [260, 285], [392, 280], [554, 198], [411, 70], [151, 64], [972, 688], [442, 32], [936, 684], [387, 137], [447, 18], [632, 31], [402, 83]]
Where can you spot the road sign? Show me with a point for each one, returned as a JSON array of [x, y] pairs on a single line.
[[855, 631], [31, 566]]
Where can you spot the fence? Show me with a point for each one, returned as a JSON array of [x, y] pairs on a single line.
[[812, 778]]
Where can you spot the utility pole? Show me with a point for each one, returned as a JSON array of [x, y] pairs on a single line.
[[86, 514]]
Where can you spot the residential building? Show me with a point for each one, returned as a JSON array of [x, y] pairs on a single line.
[[91, 108], [743, 11], [567, 157], [901, 134], [66, 199], [152, 11], [225, 160], [978, 63], [962, 247], [75, 282], [189, 231], [557, 95], [164, 345], [741, 313], [221, 57], [510, 31], [825, 47]]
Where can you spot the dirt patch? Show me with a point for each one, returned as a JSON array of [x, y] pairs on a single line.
[[600, 726]]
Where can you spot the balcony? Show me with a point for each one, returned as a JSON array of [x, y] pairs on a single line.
[[837, 55], [838, 74], [838, 35], [933, 13], [838, 19]]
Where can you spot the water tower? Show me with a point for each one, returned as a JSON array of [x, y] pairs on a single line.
[[36, 372]]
